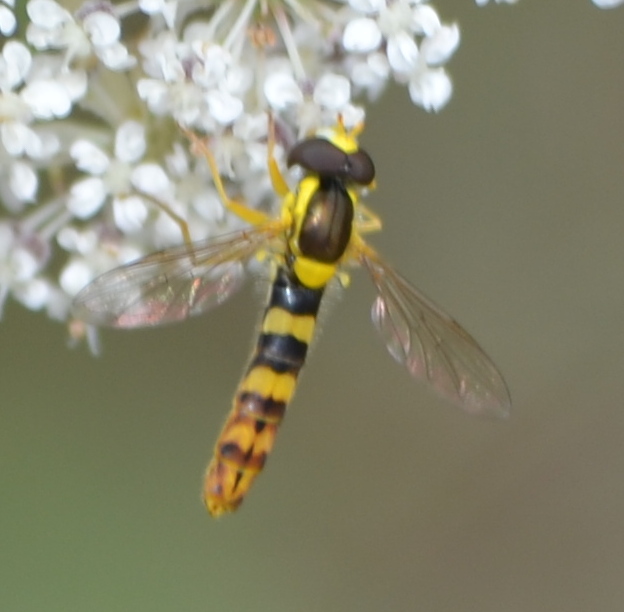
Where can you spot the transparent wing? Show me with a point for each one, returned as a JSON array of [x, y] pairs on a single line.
[[173, 284], [433, 346]]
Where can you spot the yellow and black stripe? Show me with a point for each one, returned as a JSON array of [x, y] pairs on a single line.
[[264, 392], [323, 212]]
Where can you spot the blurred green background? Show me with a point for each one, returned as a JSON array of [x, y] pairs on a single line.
[[508, 209]]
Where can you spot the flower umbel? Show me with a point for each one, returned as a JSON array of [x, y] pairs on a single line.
[[97, 170]]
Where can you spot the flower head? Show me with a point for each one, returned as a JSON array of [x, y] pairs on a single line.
[[96, 168]]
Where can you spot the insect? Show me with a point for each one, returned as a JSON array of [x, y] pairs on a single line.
[[319, 231]]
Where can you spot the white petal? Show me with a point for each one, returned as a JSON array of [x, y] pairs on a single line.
[[116, 57], [130, 213], [150, 7], [47, 14], [24, 264], [18, 58], [281, 91], [155, 93], [78, 241], [424, 21], [437, 49], [378, 63], [88, 157], [213, 67], [402, 53], [608, 3], [102, 28], [151, 179], [41, 146], [361, 35], [432, 89], [75, 276], [223, 107], [75, 84], [34, 294], [86, 197], [332, 91], [170, 11], [47, 99], [7, 21], [130, 143], [23, 181], [14, 136]]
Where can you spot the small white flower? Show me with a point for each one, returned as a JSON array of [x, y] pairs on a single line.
[[224, 107], [371, 74], [118, 178], [332, 91], [281, 91], [151, 179], [74, 276], [130, 143], [102, 28], [33, 294], [86, 197], [361, 35], [414, 40], [438, 48], [130, 213], [53, 27], [403, 54], [431, 89], [89, 157]]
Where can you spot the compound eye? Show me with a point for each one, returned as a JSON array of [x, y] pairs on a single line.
[[361, 168], [319, 156]]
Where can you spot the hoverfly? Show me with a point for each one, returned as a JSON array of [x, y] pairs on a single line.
[[319, 230]]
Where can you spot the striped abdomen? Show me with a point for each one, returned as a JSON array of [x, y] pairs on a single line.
[[263, 394]]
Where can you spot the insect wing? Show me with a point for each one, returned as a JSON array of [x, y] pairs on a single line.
[[173, 284], [433, 346]]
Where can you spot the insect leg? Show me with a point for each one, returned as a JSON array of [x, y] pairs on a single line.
[[251, 216], [277, 178], [175, 217], [369, 221]]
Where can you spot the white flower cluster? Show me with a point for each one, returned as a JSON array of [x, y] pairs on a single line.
[[95, 169], [93, 116]]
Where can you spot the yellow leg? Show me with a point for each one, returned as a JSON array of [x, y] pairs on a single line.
[[370, 222], [251, 216], [175, 217], [277, 178], [354, 132]]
